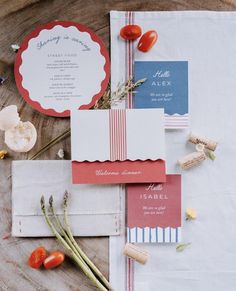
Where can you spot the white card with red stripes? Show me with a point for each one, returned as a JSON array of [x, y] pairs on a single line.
[[118, 146]]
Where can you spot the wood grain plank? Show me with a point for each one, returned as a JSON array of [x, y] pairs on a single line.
[[17, 18]]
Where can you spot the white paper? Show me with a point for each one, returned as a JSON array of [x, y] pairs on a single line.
[[91, 135], [208, 41], [68, 63], [88, 214]]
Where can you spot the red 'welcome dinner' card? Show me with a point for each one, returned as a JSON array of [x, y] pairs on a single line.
[[154, 211], [118, 146]]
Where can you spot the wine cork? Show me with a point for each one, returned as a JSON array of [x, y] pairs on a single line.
[[139, 255], [191, 160], [209, 144]]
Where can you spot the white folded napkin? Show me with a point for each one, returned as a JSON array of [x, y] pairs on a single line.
[[94, 210], [207, 40]]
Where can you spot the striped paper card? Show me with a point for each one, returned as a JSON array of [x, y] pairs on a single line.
[[118, 146], [154, 212]]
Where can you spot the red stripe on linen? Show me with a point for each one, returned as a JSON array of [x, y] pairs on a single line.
[[176, 125], [130, 283], [130, 60], [129, 271], [129, 19]]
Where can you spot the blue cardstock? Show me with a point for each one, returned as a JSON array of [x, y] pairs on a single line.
[[166, 86]]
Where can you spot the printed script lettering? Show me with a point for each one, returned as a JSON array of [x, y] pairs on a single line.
[[153, 210], [154, 187], [116, 173], [161, 74], [58, 38], [62, 66], [153, 192], [161, 79]]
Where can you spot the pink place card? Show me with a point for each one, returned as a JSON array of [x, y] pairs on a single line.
[[154, 211], [118, 146]]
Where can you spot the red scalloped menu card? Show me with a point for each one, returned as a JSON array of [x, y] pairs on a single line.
[[62, 66]]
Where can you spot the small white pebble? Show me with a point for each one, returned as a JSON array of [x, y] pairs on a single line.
[[61, 154]]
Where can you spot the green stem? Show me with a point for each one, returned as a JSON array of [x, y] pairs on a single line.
[[81, 264], [50, 144], [83, 255], [62, 231]]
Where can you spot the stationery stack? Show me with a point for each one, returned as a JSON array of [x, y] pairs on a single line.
[[123, 178], [123, 145]]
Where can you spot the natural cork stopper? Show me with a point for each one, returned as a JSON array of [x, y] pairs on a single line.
[[208, 143], [191, 160], [139, 255]]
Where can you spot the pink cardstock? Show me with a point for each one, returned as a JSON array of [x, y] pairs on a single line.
[[154, 211]]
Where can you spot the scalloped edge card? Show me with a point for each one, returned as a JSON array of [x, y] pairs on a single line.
[[166, 87], [154, 212], [62, 66], [118, 146]]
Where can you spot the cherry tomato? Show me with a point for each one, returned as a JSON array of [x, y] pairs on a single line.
[[54, 260], [147, 41], [37, 257], [130, 32]]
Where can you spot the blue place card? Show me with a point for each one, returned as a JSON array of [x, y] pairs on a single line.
[[166, 87]]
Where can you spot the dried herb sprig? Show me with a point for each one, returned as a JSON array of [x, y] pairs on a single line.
[[64, 236], [118, 95], [55, 140], [210, 154], [105, 102], [182, 247]]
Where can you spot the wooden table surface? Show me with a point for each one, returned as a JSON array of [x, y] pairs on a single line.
[[17, 18]]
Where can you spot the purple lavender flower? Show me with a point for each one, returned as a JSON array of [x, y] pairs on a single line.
[[2, 80]]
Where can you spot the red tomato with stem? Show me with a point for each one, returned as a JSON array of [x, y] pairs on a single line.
[[130, 32], [53, 260], [147, 41], [37, 257]]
